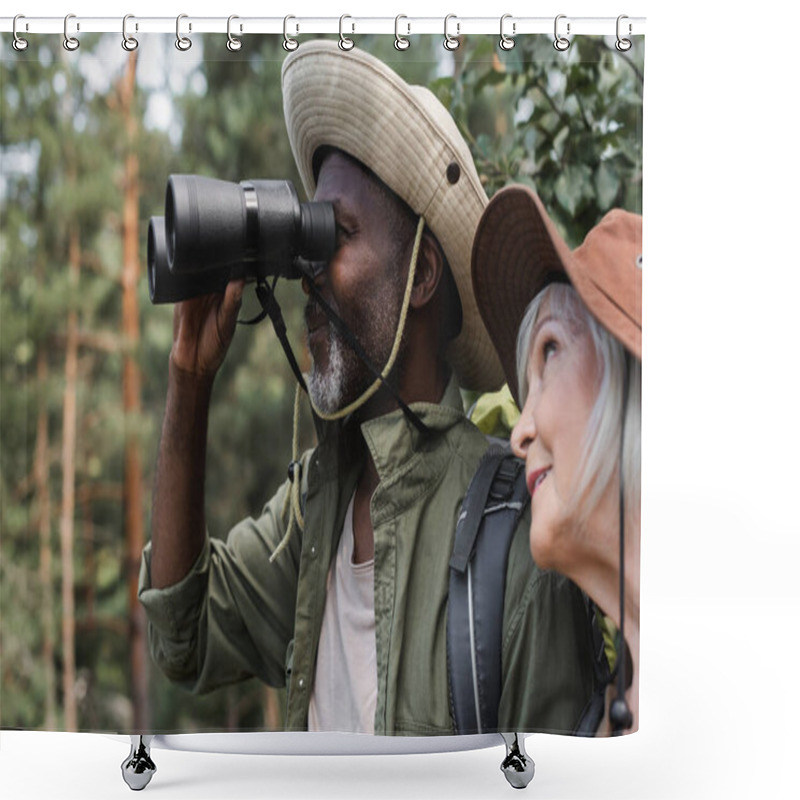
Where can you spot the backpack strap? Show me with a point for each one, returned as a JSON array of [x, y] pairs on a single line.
[[492, 506], [595, 709]]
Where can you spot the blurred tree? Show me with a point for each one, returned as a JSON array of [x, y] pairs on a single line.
[[61, 244], [131, 395]]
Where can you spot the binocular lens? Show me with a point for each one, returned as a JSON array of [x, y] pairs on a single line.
[[170, 287], [213, 230]]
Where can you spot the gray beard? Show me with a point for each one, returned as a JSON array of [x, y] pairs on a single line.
[[327, 388]]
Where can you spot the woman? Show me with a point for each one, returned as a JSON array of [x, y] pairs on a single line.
[[567, 327]]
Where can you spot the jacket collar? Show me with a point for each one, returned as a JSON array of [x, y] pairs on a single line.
[[392, 440]]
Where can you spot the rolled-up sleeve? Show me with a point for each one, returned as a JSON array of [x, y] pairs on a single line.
[[232, 616], [173, 616]]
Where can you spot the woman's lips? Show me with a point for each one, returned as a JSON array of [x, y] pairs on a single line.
[[535, 479]]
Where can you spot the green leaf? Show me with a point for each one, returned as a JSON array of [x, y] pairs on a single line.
[[606, 183], [573, 186]]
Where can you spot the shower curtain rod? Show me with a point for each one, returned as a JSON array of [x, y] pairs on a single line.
[[452, 25]]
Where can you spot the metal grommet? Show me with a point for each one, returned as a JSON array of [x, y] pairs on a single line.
[[507, 42], [233, 44], [344, 42], [19, 44], [623, 45], [289, 44], [560, 43], [129, 43], [400, 42], [182, 42], [453, 172], [451, 42], [70, 42]]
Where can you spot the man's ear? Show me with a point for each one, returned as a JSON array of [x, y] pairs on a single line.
[[430, 266]]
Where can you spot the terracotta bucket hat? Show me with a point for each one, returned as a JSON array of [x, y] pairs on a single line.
[[518, 251], [354, 102]]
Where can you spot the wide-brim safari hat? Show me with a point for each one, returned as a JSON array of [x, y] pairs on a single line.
[[518, 250], [354, 102]]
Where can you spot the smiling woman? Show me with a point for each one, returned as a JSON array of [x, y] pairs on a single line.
[[575, 372], [572, 371], [561, 371]]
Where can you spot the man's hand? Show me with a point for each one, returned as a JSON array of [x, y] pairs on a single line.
[[202, 332], [203, 329]]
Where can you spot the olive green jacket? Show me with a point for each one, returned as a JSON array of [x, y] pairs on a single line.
[[237, 615]]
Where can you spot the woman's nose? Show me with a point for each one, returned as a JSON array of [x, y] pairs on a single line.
[[523, 434]]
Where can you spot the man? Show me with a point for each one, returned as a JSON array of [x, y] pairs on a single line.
[[348, 609]]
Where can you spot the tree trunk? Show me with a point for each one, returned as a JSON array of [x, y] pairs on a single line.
[[131, 400], [89, 562], [42, 482], [67, 521]]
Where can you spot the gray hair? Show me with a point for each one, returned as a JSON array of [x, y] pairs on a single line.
[[609, 430]]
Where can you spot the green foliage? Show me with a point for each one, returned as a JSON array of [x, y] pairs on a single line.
[[566, 124]]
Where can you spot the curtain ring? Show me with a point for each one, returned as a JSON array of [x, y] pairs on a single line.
[[451, 42], [344, 42], [233, 44], [507, 42], [182, 42], [400, 42], [19, 44], [560, 43], [623, 45], [70, 42], [129, 43], [289, 44]]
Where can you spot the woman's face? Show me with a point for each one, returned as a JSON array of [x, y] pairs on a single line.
[[563, 376]]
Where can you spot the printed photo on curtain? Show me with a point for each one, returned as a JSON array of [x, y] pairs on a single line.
[[408, 502]]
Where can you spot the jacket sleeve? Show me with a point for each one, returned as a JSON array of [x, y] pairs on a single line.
[[547, 661], [232, 616]]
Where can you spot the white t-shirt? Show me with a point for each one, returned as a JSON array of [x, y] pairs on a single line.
[[346, 682]]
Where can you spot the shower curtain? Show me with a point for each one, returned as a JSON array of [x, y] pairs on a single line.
[[89, 137]]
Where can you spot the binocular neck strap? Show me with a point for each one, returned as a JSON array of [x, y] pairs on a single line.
[[270, 307], [292, 501]]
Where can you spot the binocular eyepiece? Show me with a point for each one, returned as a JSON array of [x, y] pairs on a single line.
[[215, 231]]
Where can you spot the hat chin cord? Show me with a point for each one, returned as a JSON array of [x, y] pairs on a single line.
[[619, 713], [292, 499], [382, 376]]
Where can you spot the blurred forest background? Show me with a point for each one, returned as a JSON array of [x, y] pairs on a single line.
[[87, 140]]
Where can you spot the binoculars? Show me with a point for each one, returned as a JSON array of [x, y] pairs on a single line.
[[216, 231]]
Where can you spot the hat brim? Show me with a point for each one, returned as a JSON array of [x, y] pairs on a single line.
[[518, 251], [354, 102]]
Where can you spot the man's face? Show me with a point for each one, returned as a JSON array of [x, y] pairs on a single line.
[[362, 283]]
